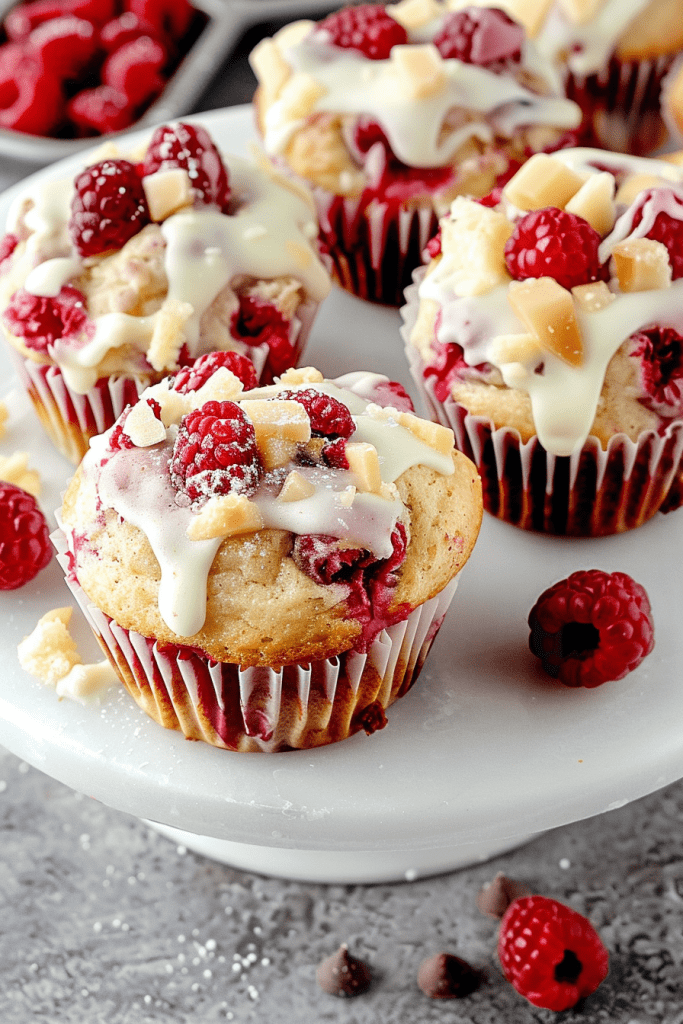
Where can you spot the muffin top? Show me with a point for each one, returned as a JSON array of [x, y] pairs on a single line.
[[140, 264], [270, 526], [555, 306], [433, 84]]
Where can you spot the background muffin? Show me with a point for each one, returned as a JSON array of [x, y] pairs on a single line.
[[268, 569], [389, 112], [110, 281], [548, 332]]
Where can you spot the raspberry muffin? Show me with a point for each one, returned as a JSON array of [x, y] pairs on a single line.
[[112, 280], [389, 112], [547, 331], [614, 55], [267, 569]]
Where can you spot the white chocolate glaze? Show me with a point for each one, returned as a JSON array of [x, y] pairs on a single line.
[[564, 398], [136, 484], [354, 84]]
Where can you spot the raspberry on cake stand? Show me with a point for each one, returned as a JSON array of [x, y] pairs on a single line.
[[485, 752]]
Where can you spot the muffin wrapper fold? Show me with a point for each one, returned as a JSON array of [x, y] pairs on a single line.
[[594, 492], [70, 419], [266, 709]]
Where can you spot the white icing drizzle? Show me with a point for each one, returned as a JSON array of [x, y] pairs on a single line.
[[136, 484], [354, 84], [585, 49], [564, 399]]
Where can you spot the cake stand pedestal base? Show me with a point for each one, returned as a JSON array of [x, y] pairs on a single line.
[[340, 867]]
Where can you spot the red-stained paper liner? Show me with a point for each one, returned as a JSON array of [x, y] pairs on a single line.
[[594, 492], [623, 103], [266, 709]]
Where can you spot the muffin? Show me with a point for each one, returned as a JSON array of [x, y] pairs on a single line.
[[267, 569], [114, 279], [614, 55], [389, 112], [547, 331]]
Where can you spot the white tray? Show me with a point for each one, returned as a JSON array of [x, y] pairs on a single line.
[[484, 751]]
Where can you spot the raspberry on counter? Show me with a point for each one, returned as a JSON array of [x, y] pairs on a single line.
[[25, 546]]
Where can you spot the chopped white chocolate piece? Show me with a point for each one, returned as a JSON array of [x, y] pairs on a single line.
[[642, 264], [84, 682], [222, 386], [142, 426], [593, 297], [14, 470], [168, 335], [4, 416], [514, 348], [529, 13], [580, 12], [547, 310], [276, 451], [226, 515], [434, 434], [421, 69], [174, 405], [346, 497], [473, 243], [542, 181], [389, 491], [363, 462], [167, 191], [301, 375], [49, 652], [414, 14], [270, 68], [296, 487], [299, 96], [287, 420], [632, 186], [293, 33], [595, 202]]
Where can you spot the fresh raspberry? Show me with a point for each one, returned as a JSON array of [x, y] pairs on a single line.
[[447, 364], [666, 229], [24, 537], [493, 198], [64, 45], [135, 69], [392, 393], [8, 244], [190, 147], [334, 453], [329, 418], [191, 378], [660, 351], [123, 29], [108, 207], [480, 35], [433, 247], [31, 98], [324, 560], [367, 133], [24, 18], [591, 627], [100, 110], [41, 320], [215, 453], [551, 954], [554, 243], [367, 28], [171, 18]]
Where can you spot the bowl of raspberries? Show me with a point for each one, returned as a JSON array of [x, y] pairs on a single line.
[[73, 71]]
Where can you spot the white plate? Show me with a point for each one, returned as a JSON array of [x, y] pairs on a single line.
[[483, 749]]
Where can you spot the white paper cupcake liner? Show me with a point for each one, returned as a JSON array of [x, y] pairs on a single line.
[[266, 709]]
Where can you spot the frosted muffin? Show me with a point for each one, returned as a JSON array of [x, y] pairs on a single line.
[[268, 569], [547, 331], [113, 279], [614, 55], [389, 112]]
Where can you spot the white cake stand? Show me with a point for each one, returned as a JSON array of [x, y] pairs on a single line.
[[482, 754]]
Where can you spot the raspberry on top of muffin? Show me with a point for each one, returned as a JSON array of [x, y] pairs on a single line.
[[273, 525], [408, 98], [142, 263], [555, 306]]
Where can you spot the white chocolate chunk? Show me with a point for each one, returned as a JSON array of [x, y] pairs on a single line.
[[270, 68], [225, 516], [168, 334], [529, 13], [276, 451], [49, 652], [142, 426], [296, 487], [514, 348], [299, 96], [167, 191], [414, 14], [287, 420], [4, 416], [632, 186], [84, 682], [595, 202], [434, 434], [547, 310], [542, 181], [642, 264], [222, 386], [421, 69], [301, 375], [364, 464], [346, 497], [174, 405], [473, 247], [593, 297], [14, 470], [293, 33]]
